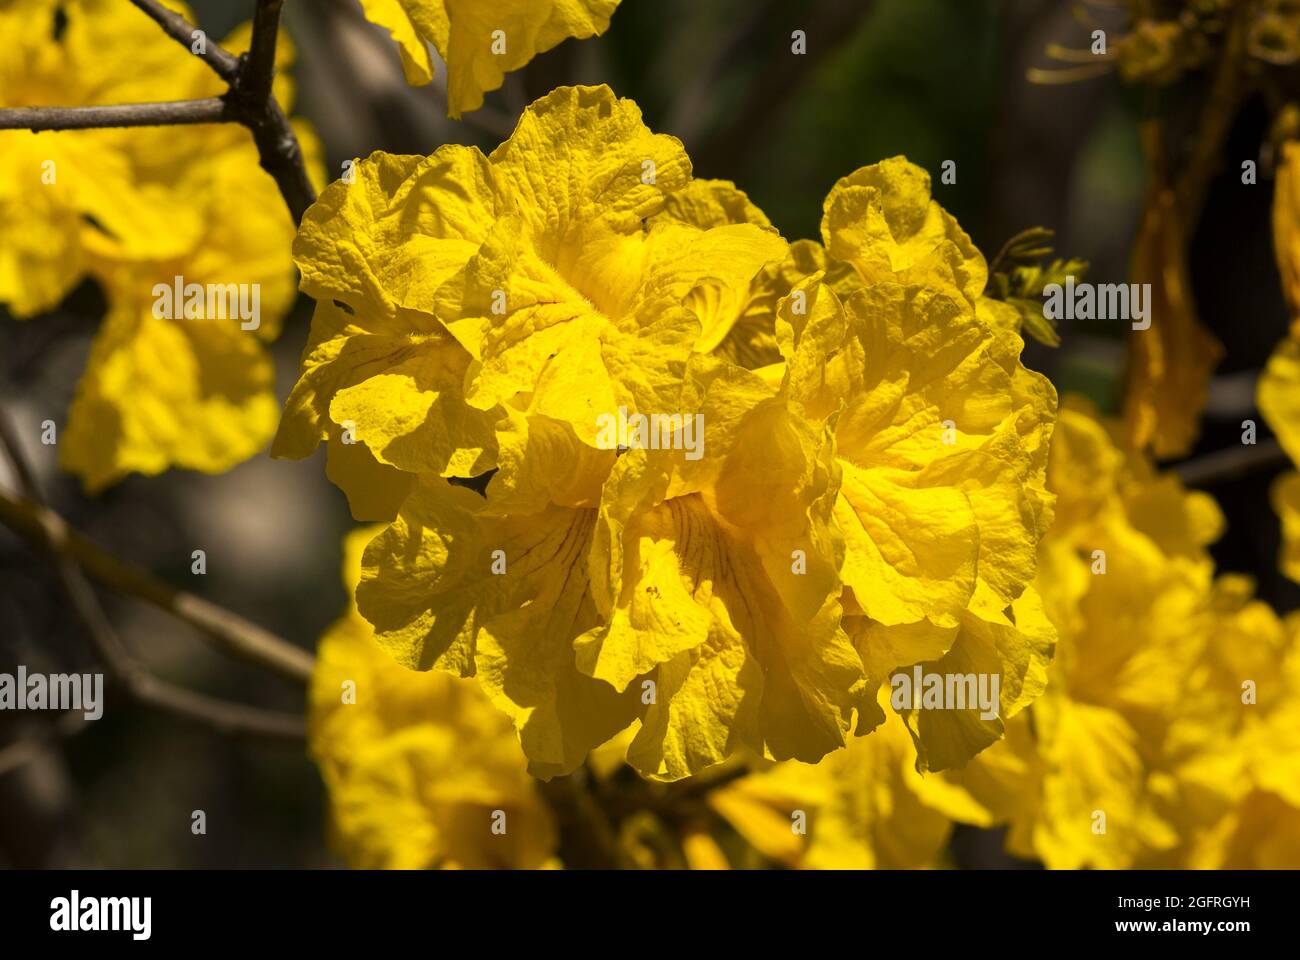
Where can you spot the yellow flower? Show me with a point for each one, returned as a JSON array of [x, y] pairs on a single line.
[[1233, 750], [919, 515], [135, 209], [858, 809], [481, 41], [492, 317], [1278, 397], [1168, 724], [942, 439], [1126, 579], [54, 183], [421, 769], [528, 276]]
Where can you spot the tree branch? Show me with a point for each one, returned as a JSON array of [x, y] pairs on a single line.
[[229, 632], [258, 69], [37, 119], [224, 64], [249, 99], [135, 679]]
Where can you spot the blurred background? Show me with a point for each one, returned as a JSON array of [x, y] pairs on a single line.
[[935, 80]]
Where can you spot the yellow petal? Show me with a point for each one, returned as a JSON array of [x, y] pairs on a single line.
[[420, 767], [882, 220], [482, 40], [1286, 226], [1278, 395], [1286, 502], [431, 588], [857, 809], [159, 393]]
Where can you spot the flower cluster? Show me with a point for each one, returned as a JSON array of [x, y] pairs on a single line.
[[1166, 733], [869, 492], [1162, 723]]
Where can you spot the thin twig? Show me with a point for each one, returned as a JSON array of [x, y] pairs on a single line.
[[250, 98], [1231, 463], [37, 119], [138, 682], [224, 64], [13, 454], [229, 632], [141, 685]]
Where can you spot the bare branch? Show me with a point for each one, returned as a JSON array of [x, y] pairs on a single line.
[[138, 682], [36, 119], [258, 69], [249, 99], [281, 157], [224, 64], [229, 632]]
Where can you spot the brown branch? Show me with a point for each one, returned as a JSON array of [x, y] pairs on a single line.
[[258, 68], [229, 632], [138, 682], [224, 64], [281, 156], [250, 100], [220, 715], [37, 119]]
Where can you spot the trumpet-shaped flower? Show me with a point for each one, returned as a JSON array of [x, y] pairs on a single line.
[[689, 573]]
